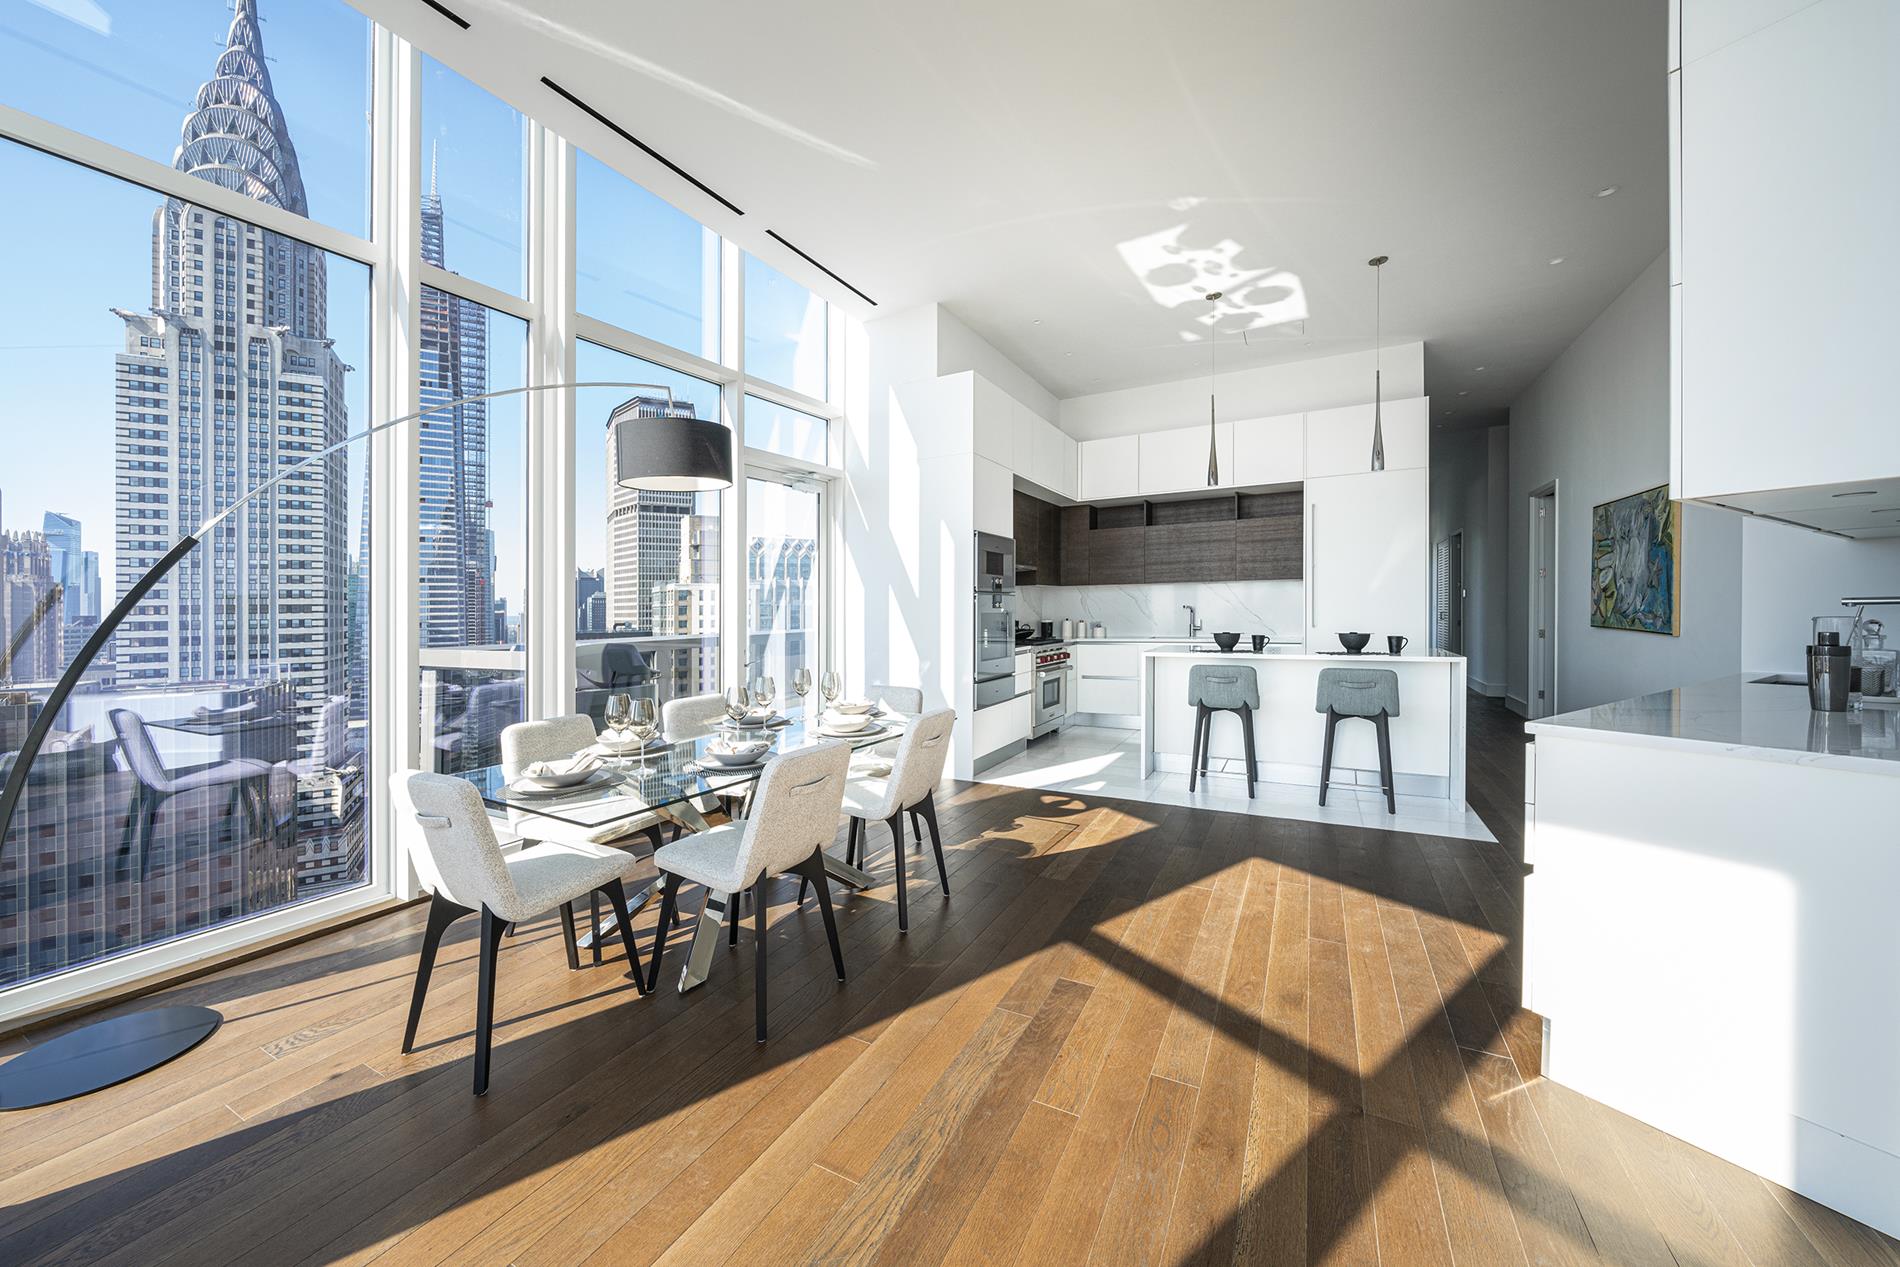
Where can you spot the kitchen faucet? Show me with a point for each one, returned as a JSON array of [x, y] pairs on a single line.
[[1194, 620]]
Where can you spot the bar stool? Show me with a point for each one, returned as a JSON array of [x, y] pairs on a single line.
[[1221, 688], [1369, 693]]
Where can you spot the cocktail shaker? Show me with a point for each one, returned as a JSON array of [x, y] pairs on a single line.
[[1830, 673]]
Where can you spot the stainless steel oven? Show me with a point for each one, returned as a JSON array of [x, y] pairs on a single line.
[[995, 635], [1049, 691]]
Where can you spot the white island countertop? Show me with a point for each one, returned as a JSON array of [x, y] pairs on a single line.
[[1741, 715]]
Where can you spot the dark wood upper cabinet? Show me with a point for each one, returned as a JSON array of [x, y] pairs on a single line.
[[1268, 549], [1048, 543], [1072, 558], [1118, 556], [1190, 552], [1028, 534]]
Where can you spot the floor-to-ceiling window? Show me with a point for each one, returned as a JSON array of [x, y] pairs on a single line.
[[165, 354], [213, 276]]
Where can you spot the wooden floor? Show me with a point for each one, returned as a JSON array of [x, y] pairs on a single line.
[[1136, 1034]]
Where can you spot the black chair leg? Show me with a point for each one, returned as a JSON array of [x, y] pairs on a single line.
[[669, 897], [1326, 755], [617, 897], [1200, 730], [758, 935], [854, 835], [442, 913], [732, 919], [812, 872], [569, 936], [1246, 738], [485, 997], [896, 825], [916, 831], [593, 918], [1386, 777], [929, 810]]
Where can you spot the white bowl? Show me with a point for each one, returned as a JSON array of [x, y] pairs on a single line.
[[845, 723], [568, 778], [852, 707], [744, 753]]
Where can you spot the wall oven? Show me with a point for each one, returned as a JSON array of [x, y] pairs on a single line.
[[995, 563], [1054, 678]]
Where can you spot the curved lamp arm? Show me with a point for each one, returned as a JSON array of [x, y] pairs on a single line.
[[56, 699]]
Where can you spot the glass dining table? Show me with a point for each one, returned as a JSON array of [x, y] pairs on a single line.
[[672, 780]]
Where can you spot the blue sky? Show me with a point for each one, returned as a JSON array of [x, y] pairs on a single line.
[[82, 244]]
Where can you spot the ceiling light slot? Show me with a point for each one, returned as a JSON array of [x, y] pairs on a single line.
[[779, 238], [448, 13], [644, 148]]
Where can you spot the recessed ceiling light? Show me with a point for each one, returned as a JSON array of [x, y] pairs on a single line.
[[1859, 492], [1607, 190], [1464, 393], [1479, 369], [1557, 259], [1037, 321]]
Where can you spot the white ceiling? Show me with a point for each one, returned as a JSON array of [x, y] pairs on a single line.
[[1008, 158]]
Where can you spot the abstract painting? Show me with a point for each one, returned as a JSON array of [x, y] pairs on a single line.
[[1636, 563]]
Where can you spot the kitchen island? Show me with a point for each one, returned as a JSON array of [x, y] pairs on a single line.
[[1428, 735], [1710, 928]]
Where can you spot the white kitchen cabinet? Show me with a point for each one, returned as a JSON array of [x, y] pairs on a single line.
[[1068, 470], [1048, 457], [1106, 659], [1116, 697], [1368, 566], [1000, 725], [1270, 450], [995, 498], [1111, 468], [993, 421], [1786, 200], [1024, 427], [1175, 461], [1339, 441]]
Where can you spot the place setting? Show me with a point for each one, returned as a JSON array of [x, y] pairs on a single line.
[[632, 729]]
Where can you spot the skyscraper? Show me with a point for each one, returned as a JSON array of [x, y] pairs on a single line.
[[643, 532], [68, 561], [228, 380], [457, 578], [31, 643]]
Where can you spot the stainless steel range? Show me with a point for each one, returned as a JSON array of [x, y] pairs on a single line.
[[1054, 679]]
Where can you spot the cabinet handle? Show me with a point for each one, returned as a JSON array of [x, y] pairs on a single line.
[[1312, 561]]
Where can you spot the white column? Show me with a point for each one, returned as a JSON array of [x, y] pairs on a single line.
[[550, 445]]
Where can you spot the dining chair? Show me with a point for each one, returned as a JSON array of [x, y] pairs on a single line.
[[695, 717], [467, 872], [527, 742], [911, 785], [155, 786], [908, 700], [794, 816]]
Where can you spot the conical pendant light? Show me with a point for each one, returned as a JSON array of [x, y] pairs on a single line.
[[1213, 450], [1378, 423]]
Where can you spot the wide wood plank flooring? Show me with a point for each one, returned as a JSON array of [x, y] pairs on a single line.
[[1136, 1034]]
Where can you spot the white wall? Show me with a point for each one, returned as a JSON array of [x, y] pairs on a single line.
[[1470, 494], [1597, 421], [1325, 382], [959, 348]]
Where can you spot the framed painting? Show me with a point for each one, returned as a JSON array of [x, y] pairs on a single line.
[[1636, 563]]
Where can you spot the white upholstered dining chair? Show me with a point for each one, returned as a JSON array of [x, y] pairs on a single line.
[[466, 872], [916, 770], [794, 814]]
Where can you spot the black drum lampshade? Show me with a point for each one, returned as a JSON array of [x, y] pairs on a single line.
[[668, 449]]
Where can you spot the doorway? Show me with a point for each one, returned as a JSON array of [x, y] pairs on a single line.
[[1448, 595], [1541, 690]]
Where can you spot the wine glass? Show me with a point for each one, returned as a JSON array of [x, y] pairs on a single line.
[[764, 693], [619, 711], [801, 681], [645, 720], [829, 685], [737, 702]]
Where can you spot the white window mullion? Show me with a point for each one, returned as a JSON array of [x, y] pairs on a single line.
[[732, 607], [551, 492], [396, 317]]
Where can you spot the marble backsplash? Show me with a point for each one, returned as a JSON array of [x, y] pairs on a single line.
[[1274, 608]]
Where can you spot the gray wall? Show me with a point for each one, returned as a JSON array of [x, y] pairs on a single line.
[[1470, 495], [1597, 421]]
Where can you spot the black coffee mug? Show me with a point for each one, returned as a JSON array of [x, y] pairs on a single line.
[[1394, 643], [1259, 643]]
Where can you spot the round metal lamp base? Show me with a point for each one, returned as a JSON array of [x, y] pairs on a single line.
[[94, 1057]]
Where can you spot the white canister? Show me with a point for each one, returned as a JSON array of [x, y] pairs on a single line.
[[1068, 630], [1097, 630]]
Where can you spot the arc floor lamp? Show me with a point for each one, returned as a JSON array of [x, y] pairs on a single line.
[[671, 450]]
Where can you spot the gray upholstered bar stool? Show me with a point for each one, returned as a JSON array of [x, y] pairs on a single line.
[[1222, 688], [1369, 693]]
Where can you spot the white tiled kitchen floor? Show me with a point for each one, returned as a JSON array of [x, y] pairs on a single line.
[[1107, 762]]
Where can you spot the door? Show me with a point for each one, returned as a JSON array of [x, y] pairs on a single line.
[[1448, 595], [1543, 623], [783, 579]]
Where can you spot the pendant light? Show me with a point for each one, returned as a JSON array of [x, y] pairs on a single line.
[[1378, 423], [1213, 450]]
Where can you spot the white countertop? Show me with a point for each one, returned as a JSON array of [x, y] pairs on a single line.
[[1741, 716], [1378, 660]]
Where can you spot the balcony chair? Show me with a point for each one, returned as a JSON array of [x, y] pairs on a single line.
[[794, 815], [243, 782], [470, 874]]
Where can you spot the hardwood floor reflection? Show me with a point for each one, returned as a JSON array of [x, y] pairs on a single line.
[[1136, 1033]]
